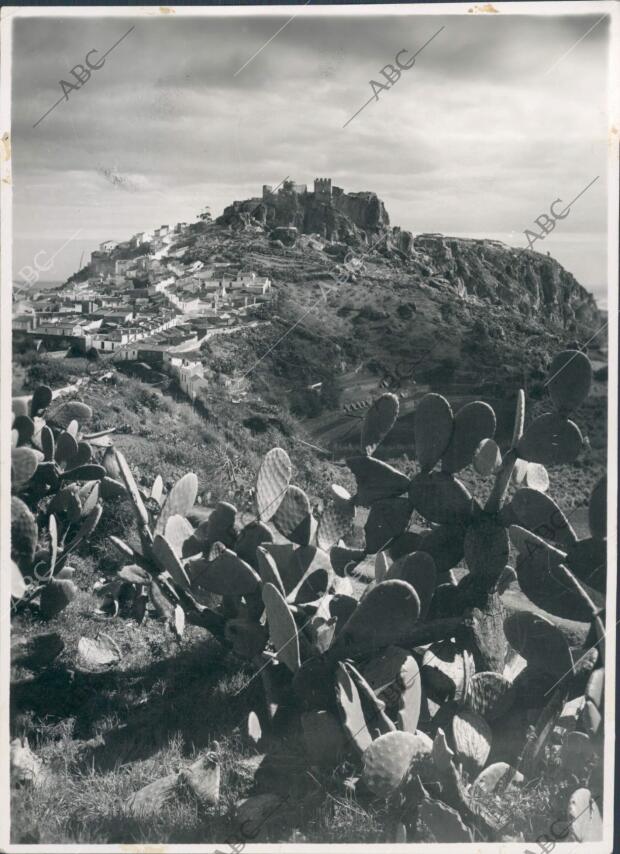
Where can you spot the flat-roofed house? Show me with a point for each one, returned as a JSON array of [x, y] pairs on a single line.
[[24, 322]]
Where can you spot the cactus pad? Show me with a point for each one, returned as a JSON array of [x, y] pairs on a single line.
[[440, 497], [340, 494], [179, 500], [336, 522], [178, 530], [168, 560], [381, 567], [542, 573], [41, 399], [487, 457], [18, 585], [472, 738], [25, 428], [228, 575], [445, 544], [473, 423], [540, 514], [294, 561], [395, 677], [55, 596], [84, 454], [584, 817], [536, 477], [311, 587], [387, 519], [597, 511], [441, 753], [313, 683], [324, 738], [351, 712], [596, 687], [591, 718], [219, 527], [551, 440], [410, 702], [379, 420], [384, 616], [495, 776], [268, 570], [417, 569], [90, 471], [382, 671], [344, 559], [48, 445], [377, 721], [490, 695], [446, 670], [24, 534], [110, 464], [376, 480], [519, 471], [249, 539], [540, 642], [282, 627], [293, 518], [272, 482], [389, 759], [433, 425], [587, 560], [132, 488], [24, 462], [570, 378]]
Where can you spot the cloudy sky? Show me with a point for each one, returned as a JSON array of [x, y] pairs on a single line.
[[498, 117]]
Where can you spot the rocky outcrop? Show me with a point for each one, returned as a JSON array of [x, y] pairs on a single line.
[[287, 234], [351, 218], [534, 284], [365, 210]]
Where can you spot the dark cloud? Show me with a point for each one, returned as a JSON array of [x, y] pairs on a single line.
[[477, 137]]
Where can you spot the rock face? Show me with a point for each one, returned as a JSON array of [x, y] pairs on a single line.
[[352, 218], [366, 210], [532, 283]]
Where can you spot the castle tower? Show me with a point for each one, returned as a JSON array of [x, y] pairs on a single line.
[[323, 189]]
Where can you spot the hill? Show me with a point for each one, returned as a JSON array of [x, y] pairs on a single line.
[[361, 305]]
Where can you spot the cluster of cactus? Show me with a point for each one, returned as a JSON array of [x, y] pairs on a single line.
[[413, 682], [55, 500]]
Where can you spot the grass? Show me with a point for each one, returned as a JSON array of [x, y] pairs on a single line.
[[103, 736]]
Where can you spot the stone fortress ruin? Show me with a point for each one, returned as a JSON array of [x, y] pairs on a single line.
[[323, 190]]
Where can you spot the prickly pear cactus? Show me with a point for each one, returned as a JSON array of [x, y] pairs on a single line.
[[378, 422], [359, 669], [273, 479], [433, 425], [282, 628], [391, 757], [54, 478]]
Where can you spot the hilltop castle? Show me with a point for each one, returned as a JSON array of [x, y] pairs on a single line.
[[323, 190]]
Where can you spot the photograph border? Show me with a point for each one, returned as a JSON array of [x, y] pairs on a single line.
[[545, 8]]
